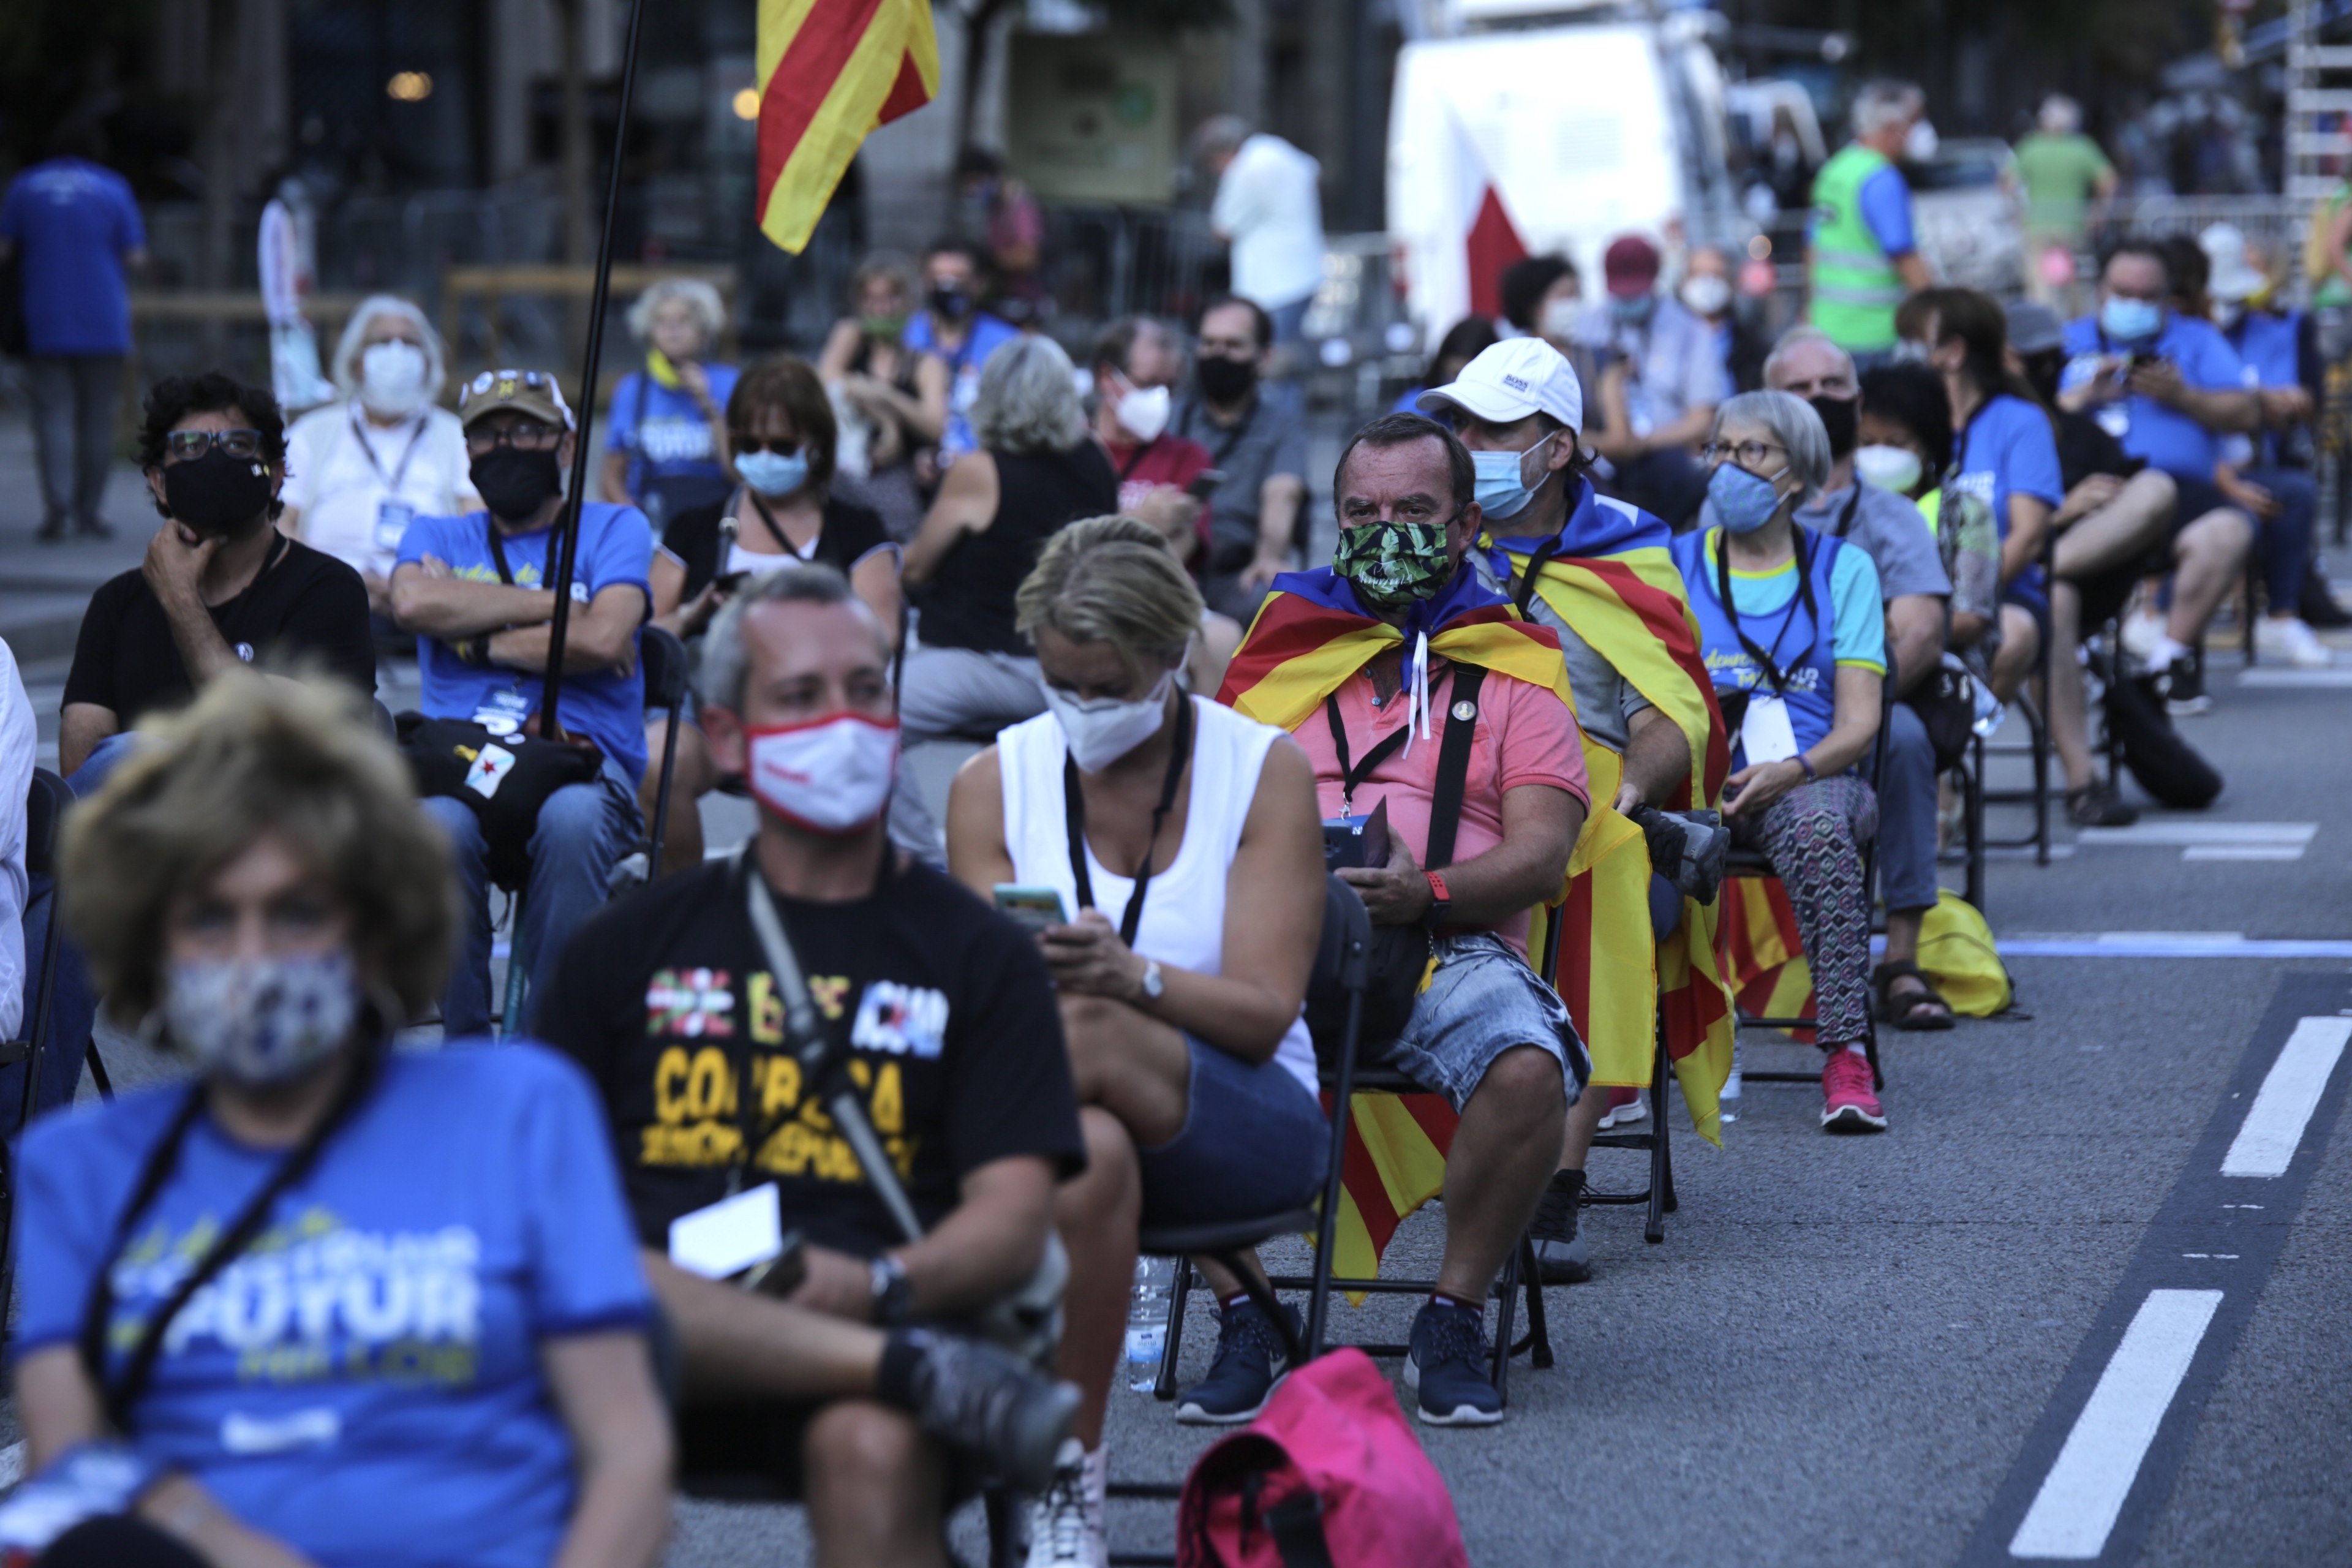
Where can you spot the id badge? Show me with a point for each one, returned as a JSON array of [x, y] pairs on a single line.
[[730, 1235], [502, 712], [2115, 420], [1766, 735], [391, 520]]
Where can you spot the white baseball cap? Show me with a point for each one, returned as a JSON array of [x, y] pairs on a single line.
[[2234, 276], [1517, 377]]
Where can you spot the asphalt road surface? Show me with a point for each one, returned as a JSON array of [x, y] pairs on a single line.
[[2086, 1300]]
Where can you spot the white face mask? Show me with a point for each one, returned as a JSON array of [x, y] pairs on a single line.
[[1560, 319], [1920, 142], [2226, 313], [392, 377], [1706, 294], [829, 775], [1103, 730], [1143, 411], [264, 1020], [1893, 469]]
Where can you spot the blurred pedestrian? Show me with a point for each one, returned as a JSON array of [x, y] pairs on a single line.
[[286, 1313], [1660, 380], [1861, 253], [1709, 290], [1256, 441], [1269, 208], [1543, 298], [220, 587], [1464, 340], [1001, 211], [950, 324], [19, 750], [662, 452], [891, 401], [2068, 183], [77, 229], [1136, 361], [360, 469]]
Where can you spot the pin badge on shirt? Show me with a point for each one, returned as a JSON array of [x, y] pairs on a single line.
[[1465, 710]]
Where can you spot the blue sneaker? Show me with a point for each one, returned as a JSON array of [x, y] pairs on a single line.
[[1447, 1367], [1250, 1362]]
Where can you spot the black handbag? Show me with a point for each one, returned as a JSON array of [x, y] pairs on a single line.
[[1947, 705], [504, 779]]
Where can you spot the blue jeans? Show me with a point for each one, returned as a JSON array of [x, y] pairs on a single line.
[[1906, 815], [1483, 1001], [1254, 1143], [583, 830], [2283, 543], [74, 399]]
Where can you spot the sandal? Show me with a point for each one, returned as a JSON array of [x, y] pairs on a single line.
[[1905, 1012]]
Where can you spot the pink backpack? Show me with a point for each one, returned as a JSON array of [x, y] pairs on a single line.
[[1328, 1476]]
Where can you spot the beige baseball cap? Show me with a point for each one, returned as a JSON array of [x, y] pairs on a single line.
[[534, 392]]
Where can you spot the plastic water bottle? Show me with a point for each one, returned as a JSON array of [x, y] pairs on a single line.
[[1147, 1319], [1728, 1101]]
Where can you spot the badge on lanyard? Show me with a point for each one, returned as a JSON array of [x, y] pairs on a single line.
[[502, 712], [391, 520], [2115, 420], [1766, 734]]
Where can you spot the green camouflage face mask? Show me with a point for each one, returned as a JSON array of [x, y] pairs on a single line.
[[1394, 565]]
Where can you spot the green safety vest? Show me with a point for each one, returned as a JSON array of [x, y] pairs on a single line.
[[1856, 285]]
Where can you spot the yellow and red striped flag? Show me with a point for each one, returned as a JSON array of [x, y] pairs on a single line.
[[830, 71]]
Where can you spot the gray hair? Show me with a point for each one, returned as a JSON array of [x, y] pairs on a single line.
[[2061, 115], [345, 366], [726, 668], [1797, 338], [709, 308], [1114, 580], [1220, 134], [1793, 424], [1028, 399], [1883, 103]]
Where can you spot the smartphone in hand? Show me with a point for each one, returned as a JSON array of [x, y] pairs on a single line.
[[1035, 908]]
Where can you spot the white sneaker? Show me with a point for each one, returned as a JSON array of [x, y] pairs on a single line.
[[1626, 1115], [1066, 1525], [2143, 630], [2291, 640]]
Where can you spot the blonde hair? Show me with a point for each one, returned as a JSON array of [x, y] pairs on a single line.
[[303, 760], [1114, 580]]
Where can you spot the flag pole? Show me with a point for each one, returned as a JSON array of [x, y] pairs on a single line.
[[568, 539]]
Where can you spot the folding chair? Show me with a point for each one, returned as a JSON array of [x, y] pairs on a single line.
[[664, 660], [44, 810], [1659, 1195], [1753, 863], [2036, 745]]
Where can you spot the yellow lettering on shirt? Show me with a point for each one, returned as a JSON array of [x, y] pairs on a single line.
[[670, 1071]]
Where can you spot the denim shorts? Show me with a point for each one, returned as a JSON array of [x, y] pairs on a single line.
[[1484, 1000], [1254, 1141]]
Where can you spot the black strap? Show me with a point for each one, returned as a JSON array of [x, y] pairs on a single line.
[[1349, 777], [1073, 812], [1136, 456], [1772, 672], [1845, 518], [1195, 412], [775, 530], [498, 552], [367, 451], [1295, 1524], [1453, 766], [122, 1394], [1524, 595]]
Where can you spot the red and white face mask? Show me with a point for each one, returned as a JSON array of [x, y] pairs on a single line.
[[828, 776]]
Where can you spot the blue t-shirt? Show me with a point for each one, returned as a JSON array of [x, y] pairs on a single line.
[[616, 547], [2269, 347], [1806, 651], [2009, 449], [988, 334], [1885, 203], [73, 221], [2166, 437], [662, 428], [364, 1382]]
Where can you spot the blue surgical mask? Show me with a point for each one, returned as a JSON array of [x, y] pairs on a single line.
[[2129, 320], [1742, 501], [1633, 311], [773, 473], [1503, 492]]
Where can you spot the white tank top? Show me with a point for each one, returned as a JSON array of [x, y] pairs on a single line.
[[1183, 923]]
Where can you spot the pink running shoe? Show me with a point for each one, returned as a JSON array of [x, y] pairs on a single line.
[[1847, 1104]]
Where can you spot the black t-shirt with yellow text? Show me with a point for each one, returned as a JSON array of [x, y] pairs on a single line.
[[943, 1008]]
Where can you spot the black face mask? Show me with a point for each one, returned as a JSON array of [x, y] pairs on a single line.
[[215, 493], [949, 303], [514, 484], [1839, 417], [1226, 380]]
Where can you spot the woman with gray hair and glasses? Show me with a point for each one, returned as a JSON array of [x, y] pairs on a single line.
[[1792, 630], [969, 670]]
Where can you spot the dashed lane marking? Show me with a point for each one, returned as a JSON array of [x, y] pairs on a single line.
[[2266, 1141]]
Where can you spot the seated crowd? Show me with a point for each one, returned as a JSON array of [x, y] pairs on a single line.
[[833, 1185]]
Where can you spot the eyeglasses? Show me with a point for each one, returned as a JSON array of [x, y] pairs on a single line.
[[781, 445], [527, 436], [1746, 454], [188, 445]]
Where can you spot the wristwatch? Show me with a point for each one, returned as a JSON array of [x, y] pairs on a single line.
[[1441, 901], [894, 1293], [1806, 763], [1154, 987]]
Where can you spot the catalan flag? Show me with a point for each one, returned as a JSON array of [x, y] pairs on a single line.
[[829, 72], [1608, 574]]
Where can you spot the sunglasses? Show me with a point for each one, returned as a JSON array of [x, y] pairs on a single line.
[[189, 444], [781, 445], [527, 436]]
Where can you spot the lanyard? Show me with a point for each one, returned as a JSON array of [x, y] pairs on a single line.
[[1194, 413], [775, 531], [367, 450], [1764, 659], [1845, 518], [1074, 806], [1135, 457], [1350, 776]]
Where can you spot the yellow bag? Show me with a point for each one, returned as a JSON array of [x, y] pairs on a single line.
[[2315, 237], [1957, 951]]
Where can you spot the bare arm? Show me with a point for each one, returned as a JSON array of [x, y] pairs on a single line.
[[1855, 724], [840, 346], [876, 581], [437, 604], [1657, 759], [977, 855], [174, 568], [81, 727], [735, 1342], [987, 1247], [602, 637], [1278, 500], [604, 1385], [1914, 270], [1915, 637], [966, 504], [2029, 520], [1540, 822], [612, 479]]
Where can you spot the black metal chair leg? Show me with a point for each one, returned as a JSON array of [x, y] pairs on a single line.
[[1507, 1314], [1655, 1231], [1163, 1386], [1261, 1294], [98, 1072], [1538, 1330]]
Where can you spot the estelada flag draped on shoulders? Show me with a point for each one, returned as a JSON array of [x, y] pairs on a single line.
[[1607, 573], [829, 72]]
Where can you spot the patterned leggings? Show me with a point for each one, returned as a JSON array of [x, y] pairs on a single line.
[[1814, 836]]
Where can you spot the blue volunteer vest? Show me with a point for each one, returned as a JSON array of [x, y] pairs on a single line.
[[1807, 658]]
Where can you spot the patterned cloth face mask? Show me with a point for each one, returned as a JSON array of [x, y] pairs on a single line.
[[260, 1021], [1394, 565]]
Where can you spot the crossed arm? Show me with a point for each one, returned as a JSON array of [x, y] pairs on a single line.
[[427, 599]]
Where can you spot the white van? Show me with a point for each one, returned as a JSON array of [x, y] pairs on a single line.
[[1583, 131]]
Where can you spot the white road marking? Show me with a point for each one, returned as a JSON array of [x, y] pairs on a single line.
[[2308, 679], [2242, 852], [2080, 1498], [2170, 944], [2266, 1139], [2167, 835]]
